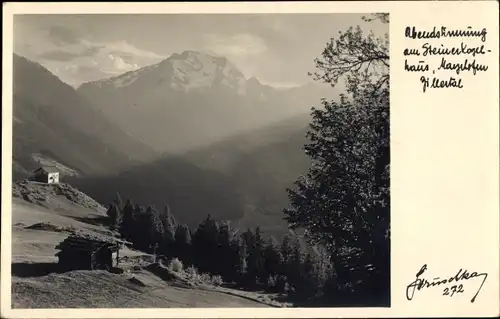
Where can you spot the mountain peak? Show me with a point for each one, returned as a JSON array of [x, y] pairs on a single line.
[[185, 71], [194, 70], [189, 54]]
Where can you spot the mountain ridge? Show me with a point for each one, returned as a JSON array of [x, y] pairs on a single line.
[[50, 119], [198, 98]]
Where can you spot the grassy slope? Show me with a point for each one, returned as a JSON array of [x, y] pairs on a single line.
[[100, 289]]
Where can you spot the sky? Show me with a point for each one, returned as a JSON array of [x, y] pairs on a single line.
[[278, 49]]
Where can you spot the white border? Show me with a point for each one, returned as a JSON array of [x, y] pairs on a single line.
[[437, 242]]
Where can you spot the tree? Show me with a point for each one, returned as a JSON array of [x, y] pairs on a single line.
[[286, 254], [168, 221], [170, 228], [183, 235], [237, 259], [182, 244], [272, 258], [248, 254], [293, 267], [310, 277], [205, 245], [356, 57], [118, 200], [225, 254], [154, 231], [149, 230], [343, 200], [242, 269], [127, 228], [114, 216], [256, 258]]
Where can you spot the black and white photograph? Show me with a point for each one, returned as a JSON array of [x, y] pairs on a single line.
[[201, 160]]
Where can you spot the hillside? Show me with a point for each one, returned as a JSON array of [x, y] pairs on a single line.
[[242, 179], [37, 284], [106, 290], [53, 123], [191, 192], [194, 99], [263, 163], [233, 144]]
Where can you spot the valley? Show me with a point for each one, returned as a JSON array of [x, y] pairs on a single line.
[[190, 132]]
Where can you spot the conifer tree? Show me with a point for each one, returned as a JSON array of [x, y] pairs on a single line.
[[153, 227], [183, 243], [170, 228], [114, 216], [272, 258], [205, 244], [128, 221], [118, 200]]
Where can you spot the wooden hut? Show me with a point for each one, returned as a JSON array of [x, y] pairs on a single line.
[[79, 252], [46, 174]]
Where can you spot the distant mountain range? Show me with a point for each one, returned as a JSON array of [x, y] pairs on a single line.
[[193, 99], [191, 132]]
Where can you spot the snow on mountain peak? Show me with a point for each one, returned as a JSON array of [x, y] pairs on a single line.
[[194, 70], [187, 71]]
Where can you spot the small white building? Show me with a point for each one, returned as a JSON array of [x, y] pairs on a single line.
[[46, 174]]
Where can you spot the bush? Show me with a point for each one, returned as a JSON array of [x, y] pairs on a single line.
[[216, 280], [205, 278], [193, 274], [192, 271], [282, 284], [175, 265], [270, 284]]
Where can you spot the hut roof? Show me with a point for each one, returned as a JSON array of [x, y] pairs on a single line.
[[86, 244], [47, 169]]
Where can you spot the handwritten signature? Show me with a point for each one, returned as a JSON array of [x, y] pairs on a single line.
[[421, 283]]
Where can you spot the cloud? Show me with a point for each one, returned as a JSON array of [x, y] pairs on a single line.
[[61, 35], [279, 84], [63, 56], [126, 48], [58, 55], [77, 59], [116, 65], [242, 44]]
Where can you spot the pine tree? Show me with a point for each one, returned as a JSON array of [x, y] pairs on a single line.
[[258, 256], [248, 254], [224, 250], [183, 243], [272, 258], [153, 228], [118, 200], [170, 228], [235, 261], [127, 227], [242, 270], [286, 254], [114, 216], [205, 245], [310, 282], [294, 265]]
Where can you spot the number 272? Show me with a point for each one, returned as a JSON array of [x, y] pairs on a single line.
[[453, 290]]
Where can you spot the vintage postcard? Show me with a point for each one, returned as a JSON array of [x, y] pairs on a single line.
[[236, 160]]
